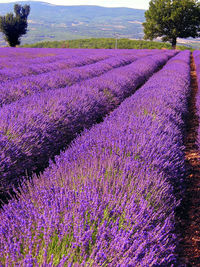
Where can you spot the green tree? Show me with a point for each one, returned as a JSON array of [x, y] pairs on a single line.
[[13, 26], [171, 19]]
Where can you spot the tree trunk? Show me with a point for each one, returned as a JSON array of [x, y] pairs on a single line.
[[173, 43]]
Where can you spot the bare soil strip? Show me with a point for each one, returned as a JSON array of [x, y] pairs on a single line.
[[190, 209]]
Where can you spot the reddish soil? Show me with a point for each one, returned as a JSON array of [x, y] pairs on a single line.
[[190, 214]]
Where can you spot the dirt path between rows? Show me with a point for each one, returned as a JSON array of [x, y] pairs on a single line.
[[190, 210]]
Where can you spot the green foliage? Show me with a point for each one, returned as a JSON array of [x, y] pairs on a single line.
[[170, 19], [14, 26], [108, 43]]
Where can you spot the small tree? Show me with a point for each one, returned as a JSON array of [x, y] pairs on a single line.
[[14, 26], [170, 19]]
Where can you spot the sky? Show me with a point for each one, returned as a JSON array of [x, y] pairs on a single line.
[[140, 4]]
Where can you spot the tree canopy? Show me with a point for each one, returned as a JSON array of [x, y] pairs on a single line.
[[171, 19], [13, 26]]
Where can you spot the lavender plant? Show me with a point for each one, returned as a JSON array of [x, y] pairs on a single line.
[[23, 70], [30, 61], [95, 66], [196, 55], [47, 122], [110, 198]]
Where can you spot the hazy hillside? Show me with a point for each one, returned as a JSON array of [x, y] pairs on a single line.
[[51, 22]]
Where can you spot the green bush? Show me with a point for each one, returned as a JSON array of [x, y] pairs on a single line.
[[108, 43]]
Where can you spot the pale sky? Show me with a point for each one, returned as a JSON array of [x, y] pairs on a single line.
[[140, 4]]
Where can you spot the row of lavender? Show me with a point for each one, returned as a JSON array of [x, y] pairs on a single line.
[[109, 199], [22, 66], [11, 57], [9, 74], [35, 55], [196, 55], [28, 85], [46, 122]]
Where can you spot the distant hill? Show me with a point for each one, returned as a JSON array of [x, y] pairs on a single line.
[[51, 22]]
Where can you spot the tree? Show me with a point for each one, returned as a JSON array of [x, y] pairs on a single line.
[[171, 19], [14, 26]]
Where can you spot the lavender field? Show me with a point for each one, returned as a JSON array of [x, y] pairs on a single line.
[[92, 165]]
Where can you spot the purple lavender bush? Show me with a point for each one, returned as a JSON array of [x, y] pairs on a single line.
[[19, 63], [25, 67], [47, 122], [22, 70], [28, 85], [196, 55], [110, 198]]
